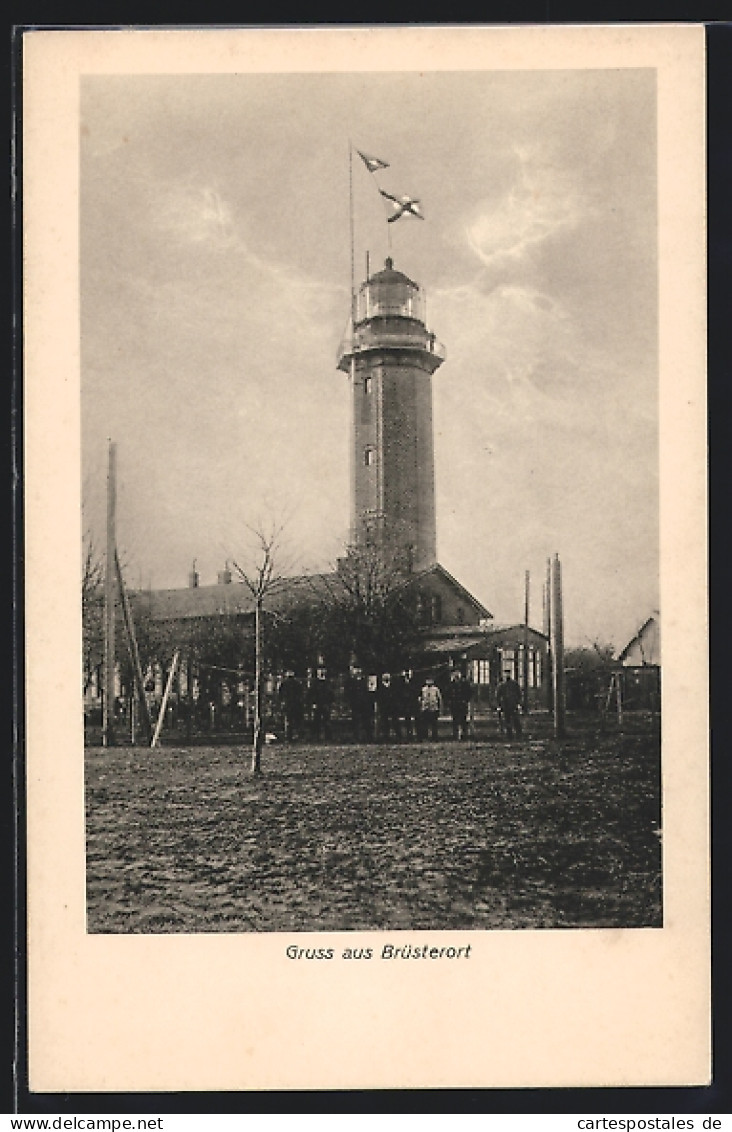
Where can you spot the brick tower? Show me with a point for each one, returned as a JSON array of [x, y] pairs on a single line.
[[391, 356]]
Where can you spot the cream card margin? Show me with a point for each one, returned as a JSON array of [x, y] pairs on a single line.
[[223, 1012]]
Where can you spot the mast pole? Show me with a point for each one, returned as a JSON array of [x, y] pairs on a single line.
[[557, 648], [526, 643], [352, 234], [108, 739], [548, 635], [352, 377]]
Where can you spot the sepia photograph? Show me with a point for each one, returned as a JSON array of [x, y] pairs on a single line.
[[365, 458], [369, 380]]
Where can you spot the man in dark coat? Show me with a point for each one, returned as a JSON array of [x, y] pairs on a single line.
[[359, 703], [387, 708], [321, 702], [291, 703], [408, 691], [509, 700], [459, 694]]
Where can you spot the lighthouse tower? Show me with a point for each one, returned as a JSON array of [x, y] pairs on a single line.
[[391, 356]]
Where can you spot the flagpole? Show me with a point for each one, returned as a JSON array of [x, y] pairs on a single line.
[[352, 232]]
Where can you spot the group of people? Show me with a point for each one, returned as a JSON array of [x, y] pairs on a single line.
[[306, 707], [392, 706], [387, 707]]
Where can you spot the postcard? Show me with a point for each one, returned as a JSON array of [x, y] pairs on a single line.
[[365, 466]]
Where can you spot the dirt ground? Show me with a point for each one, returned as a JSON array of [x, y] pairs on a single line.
[[534, 833]]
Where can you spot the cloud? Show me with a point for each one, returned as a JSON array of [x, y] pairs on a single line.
[[543, 201], [212, 311], [195, 214]]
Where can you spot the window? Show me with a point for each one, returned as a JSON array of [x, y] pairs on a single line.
[[436, 609], [369, 457], [367, 384], [461, 615], [508, 663], [481, 672]]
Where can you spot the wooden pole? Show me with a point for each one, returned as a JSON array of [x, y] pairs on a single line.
[[257, 737], [548, 634], [352, 230], [352, 397], [166, 696], [108, 738], [526, 643], [557, 638], [133, 650]]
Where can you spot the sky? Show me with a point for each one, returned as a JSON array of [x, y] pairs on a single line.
[[215, 283]]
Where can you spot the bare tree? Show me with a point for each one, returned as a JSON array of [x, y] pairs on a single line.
[[378, 605], [367, 608], [264, 577], [589, 669]]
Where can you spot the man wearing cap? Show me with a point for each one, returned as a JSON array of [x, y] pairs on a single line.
[[509, 699], [430, 702], [387, 708], [459, 699], [291, 702]]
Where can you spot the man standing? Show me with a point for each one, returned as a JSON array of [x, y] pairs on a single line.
[[321, 700], [409, 704], [291, 701], [509, 699], [359, 703], [459, 700], [387, 708], [430, 702]]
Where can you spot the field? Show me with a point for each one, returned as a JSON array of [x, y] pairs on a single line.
[[534, 833]]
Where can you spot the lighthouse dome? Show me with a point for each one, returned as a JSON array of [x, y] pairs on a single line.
[[389, 294]]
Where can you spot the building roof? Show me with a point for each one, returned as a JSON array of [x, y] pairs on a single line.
[[439, 571], [234, 599], [648, 636], [390, 274], [461, 638]]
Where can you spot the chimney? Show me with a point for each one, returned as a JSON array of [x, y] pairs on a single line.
[[225, 576], [193, 577]]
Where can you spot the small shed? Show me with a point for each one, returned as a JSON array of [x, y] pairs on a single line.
[[644, 648], [640, 667]]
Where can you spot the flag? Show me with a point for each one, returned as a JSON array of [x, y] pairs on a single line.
[[372, 163], [402, 206]]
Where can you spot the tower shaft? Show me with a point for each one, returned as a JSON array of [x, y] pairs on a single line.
[[391, 356]]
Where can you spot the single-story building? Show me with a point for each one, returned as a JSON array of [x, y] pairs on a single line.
[[487, 652]]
